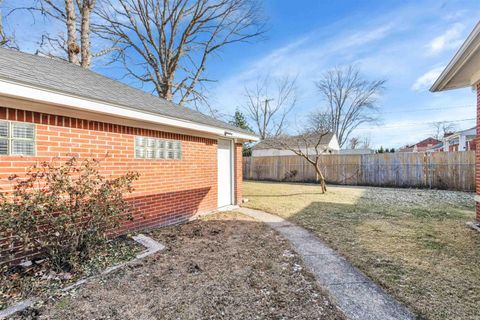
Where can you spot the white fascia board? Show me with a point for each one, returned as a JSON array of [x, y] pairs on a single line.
[[468, 48], [27, 92]]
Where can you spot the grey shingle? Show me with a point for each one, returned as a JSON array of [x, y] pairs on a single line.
[[65, 77]]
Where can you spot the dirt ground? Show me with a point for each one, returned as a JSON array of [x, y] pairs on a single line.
[[225, 266], [414, 243]]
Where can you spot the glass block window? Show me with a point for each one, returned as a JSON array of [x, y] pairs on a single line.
[[17, 138], [152, 148]]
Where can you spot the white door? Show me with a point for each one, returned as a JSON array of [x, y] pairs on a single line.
[[224, 157]]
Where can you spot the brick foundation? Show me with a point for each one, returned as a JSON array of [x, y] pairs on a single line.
[[168, 191]]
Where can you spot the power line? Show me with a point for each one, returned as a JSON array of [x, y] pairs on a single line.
[[416, 124], [428, 109]]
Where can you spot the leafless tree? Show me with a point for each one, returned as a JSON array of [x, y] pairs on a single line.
[[76, 16], [351, 100], [359, 142], [309, 144], [354, 143], [441, 128], [6, 41], [366, 143], [167, 43], [268, 104]]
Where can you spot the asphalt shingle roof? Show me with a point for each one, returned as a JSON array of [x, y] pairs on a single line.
[[61, 76]]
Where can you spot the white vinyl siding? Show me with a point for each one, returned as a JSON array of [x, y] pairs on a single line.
[[17, 138], [152, 148]]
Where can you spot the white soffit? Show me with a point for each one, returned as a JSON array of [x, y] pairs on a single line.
[[464, 69], [22, 91]]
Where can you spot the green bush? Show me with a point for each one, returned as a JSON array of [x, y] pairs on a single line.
[[64, 210]]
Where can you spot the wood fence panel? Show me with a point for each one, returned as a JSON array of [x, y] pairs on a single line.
[[442, 170]]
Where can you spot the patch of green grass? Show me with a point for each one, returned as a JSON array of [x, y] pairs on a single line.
[[412, 242], [62, 304]]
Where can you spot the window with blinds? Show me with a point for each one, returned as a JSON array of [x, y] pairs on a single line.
[[151, 148], [17, 138]]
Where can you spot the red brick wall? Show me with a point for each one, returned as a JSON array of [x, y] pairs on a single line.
[[238, 173], [168, 191], [477, 153]]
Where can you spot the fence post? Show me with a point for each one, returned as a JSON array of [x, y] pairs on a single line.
[[452, 170]]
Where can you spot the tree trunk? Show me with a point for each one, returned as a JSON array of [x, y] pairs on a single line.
[[321, 178], [72, 46], [86, 11]]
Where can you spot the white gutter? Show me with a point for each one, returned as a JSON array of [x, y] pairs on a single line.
[[23, 91]]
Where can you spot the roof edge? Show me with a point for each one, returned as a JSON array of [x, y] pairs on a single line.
[[458, 60], [26, 91]]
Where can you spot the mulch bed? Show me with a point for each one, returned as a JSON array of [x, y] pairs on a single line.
[[39, 280], [222, 267]]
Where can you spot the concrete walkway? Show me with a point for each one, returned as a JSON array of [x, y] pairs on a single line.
[[353, 292]]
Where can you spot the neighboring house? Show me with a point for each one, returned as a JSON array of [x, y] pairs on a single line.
[[421, 146], [356, 151], [464, 71], [328, 144], [457, 141], [460, 141], [189, 163]]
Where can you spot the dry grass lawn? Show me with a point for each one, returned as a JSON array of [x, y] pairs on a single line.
[[225, 266], [412, 242]]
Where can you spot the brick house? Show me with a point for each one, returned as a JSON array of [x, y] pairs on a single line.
[[463, 140], [189, 163], [421, 146], [464, 71]]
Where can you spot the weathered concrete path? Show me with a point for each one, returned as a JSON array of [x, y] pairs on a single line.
[[353, 292]]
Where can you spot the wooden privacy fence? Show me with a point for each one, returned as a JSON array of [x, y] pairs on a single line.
[[439, 170]]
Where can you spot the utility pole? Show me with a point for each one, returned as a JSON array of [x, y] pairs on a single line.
[[265, 113]]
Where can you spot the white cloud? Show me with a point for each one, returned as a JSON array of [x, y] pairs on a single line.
[[305, 58], [451, 38], [426, 80]]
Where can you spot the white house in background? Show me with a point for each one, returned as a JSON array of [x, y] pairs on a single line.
[[356, 151], [329, 144], [458, 141], [461, 140]]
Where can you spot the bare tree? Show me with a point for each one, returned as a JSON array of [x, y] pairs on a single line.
[[441, 128], [359, 142], [76, 15], [268, 105], [7, 41], [366, 143], [310, 144], [354, 143], [351, 100], [167, 43]]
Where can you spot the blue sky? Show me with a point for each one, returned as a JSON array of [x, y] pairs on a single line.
[[406, 42]]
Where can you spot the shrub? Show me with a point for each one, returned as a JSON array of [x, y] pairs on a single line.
[[289, 175], [64, 211]]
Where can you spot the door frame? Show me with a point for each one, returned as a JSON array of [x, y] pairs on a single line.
[[232, 172]]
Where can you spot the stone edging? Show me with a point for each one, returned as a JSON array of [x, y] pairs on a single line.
[[151, 246], [474, 225]]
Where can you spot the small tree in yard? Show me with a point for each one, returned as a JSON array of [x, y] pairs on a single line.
[[64, 211], [310, 144]]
